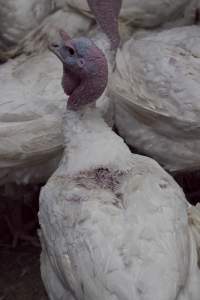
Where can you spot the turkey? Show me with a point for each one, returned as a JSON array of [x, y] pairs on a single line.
[[30, 131], [182, 163], [114, 225], [155, 89], [31, 134], [30, 118], [17, 18]]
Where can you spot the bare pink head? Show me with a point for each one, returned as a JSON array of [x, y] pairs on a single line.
[[85, 70]]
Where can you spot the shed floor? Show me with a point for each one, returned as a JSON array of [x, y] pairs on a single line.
[[20, 273]]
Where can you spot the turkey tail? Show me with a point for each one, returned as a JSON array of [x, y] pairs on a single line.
[[194, 223]]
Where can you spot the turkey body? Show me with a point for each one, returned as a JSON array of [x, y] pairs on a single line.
[[155, 90], [114, 225], [18, 17]]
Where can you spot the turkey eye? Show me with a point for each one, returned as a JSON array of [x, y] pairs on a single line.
[[71, 50]]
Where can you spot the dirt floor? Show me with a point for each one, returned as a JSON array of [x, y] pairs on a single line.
[[20, 273], [20, 277]]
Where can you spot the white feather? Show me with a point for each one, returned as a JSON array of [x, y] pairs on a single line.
[[130, 240]]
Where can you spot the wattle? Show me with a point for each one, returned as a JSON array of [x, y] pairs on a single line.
[[69, 82]]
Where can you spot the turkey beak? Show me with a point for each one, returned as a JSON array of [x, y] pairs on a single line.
[[56, 49]]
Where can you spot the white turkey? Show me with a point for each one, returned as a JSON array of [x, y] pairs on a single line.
[[114, 224], [17, 18], [31, 116], [156, 92]]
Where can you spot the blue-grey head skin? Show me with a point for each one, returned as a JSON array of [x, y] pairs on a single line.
[[85, 69], [106, 13]]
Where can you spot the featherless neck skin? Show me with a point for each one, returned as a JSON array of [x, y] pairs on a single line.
[[106, 14], [84, 91]]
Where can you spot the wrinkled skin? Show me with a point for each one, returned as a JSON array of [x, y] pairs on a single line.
[[85, 70], [106, 13]]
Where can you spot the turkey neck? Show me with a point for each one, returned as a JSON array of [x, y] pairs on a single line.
[[90, 143]]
